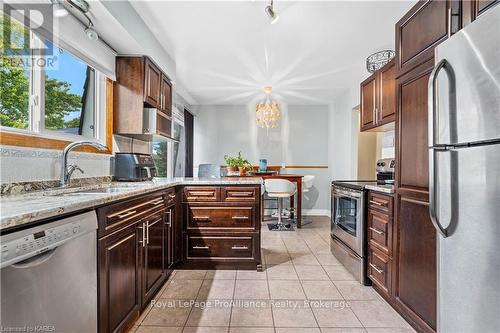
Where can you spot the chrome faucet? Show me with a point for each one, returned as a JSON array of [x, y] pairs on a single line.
[[67, 170]]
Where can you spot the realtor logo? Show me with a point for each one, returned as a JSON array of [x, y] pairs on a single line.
[[36, 17]]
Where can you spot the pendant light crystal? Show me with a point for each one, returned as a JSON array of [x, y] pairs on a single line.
[[267, 112]]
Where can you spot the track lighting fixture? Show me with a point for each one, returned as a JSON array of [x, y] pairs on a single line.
[[273, 16]]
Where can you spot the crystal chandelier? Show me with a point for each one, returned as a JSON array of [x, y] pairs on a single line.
[[267, 112]]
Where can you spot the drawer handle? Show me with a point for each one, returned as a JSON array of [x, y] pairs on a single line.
[[171, 196], [241, 194], [200, 247], [240, 217], [207, 218], [202, 194], [377, 231], [128, 213], [378, 203], [236, 247], [379, 270], [157, 202]]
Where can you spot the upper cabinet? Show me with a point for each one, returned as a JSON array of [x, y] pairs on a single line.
[[152, 84], [142, 99], [425, 26], [378, 99]]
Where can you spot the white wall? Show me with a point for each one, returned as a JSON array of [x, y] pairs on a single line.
[[301, 139], [343, 131]]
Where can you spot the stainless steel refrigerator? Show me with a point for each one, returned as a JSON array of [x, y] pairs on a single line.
[[464, 171]]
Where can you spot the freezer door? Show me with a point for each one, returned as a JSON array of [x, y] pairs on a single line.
[[468, 207], [473, 54]]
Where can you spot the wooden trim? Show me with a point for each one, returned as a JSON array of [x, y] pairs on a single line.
[[33, 140], [278, 167]]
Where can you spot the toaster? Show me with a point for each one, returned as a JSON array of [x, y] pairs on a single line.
[[134, 167]]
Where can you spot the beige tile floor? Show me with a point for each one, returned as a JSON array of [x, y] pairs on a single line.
[[302, 289]]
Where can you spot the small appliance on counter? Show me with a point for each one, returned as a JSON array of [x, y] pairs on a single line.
[[134, 167]]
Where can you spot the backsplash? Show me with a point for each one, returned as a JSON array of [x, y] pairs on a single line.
[[19, 164]]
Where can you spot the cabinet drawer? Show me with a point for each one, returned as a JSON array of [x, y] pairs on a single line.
[[220, 217], [239, 194], [219, 247], [379, 230], [380, 202], [379, 269], [115, 216], [201, 193]]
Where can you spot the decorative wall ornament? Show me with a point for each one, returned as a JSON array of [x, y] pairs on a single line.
[[268, 112], [378, 59]]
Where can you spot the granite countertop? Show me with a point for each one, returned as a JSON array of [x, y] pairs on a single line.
[[21, 209], [387, 189]]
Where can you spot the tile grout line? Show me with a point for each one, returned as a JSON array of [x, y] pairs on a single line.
[[195, 298]]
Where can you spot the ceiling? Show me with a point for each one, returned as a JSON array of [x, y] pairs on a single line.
[[226, 52]]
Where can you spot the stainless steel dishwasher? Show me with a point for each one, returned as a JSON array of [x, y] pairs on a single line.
[[49, 277]]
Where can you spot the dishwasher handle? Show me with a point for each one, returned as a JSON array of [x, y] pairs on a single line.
[[36, 260]]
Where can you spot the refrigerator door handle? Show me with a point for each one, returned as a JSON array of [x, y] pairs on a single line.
[[433, 150]]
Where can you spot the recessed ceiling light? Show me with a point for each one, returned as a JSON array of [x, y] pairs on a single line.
[[273, 16]]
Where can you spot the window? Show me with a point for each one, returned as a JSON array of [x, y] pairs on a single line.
[[60, 98]]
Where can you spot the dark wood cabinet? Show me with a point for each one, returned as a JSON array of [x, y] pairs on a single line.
[[169, 230], [166, 96], [119, 279], [368, 102], [153, 83], [378, 100], [412, 139], [142, 99], [415, 256], [153, 251], [380, 241], [222, 226], [420, 31]]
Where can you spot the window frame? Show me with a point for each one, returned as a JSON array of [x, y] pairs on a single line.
[[37, 136]]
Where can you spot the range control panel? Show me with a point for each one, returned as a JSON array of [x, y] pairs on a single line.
[[29, 244]]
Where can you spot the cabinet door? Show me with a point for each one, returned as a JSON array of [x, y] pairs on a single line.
[[166, 95], [480, 6], [412, 125], [152, 78], [368, 102], [153, 252], [417, 34], [416, 273], [387, 99], [119, 274]]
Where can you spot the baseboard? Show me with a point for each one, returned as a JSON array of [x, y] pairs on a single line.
[[305, 212]]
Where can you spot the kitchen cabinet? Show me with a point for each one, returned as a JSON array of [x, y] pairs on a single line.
[[378, 100], [153, 251], [472, 9], [222, 226], [142, 99], [166, 96], [380, 233], [153, 82], [119, 279], [133, 245]]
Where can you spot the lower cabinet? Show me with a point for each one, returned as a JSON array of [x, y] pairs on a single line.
[[134, 259], [223, 231], [153, 251], [119, 279]]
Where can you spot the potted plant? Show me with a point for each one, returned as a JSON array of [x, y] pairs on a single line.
[[237, 164]]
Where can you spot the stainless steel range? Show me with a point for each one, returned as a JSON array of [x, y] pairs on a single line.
[[348, 227]]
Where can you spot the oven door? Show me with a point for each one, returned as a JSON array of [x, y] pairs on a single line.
[[347, 218]]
